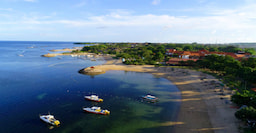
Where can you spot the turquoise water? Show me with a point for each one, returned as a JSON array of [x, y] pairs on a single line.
[[31, 85]]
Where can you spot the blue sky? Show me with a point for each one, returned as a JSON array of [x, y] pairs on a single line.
[[202, 21]]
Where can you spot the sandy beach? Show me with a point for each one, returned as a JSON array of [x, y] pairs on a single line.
[[205, 106], [61, 54]]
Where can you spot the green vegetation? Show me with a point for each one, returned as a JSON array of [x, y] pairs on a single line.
[[244, 98], [229, 67], [246, 113], [238, 75], [84, 43], [154, 53]]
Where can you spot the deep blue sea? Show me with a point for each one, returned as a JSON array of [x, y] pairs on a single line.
[[31, 85]]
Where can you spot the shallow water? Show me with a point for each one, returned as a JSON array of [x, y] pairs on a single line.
[[31, 85]]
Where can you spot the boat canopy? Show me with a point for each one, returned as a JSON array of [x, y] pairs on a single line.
[[95, 107]]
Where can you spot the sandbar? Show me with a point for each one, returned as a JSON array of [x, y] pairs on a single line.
[[60, 54]]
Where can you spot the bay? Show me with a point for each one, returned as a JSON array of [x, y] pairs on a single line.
[[31, 85]]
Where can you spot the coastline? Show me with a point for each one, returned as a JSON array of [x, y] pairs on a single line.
[[61, 54], [204, 107]]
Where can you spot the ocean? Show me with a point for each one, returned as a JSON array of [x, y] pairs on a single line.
[[31, 85]]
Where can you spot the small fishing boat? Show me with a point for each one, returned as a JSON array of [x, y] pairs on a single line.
[[93, 98], [97, 110], [50, 119], [150, 98]]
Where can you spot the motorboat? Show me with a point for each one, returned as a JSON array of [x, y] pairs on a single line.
[[150, 98], [50, 120], [96, 110], [93, 98]]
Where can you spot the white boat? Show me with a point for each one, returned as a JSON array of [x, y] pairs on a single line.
[[96, 110], [50, 119], [150, 98], [93, 98], [74, 55]]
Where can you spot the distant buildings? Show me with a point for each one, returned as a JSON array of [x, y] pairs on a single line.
[[196, 55]]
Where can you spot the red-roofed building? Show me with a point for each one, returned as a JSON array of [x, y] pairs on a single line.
[[170, 52], [175, 61], [202, 53]]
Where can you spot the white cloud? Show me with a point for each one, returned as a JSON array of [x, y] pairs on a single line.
[[190, 28], [81, 4], [223, 25], [155, 2], [30, 0], [6, 9]]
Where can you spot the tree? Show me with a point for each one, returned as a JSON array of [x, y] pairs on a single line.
[[158, 56], [246, 113], [188, 48], [250, 62], [250, 50], [213, 49]]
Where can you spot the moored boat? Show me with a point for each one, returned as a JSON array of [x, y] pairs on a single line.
[[50, 119], [93, 98], [96, 110], [150, 98]]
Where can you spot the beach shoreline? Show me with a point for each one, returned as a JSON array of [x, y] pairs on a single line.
[[204, 107], [61, 54]]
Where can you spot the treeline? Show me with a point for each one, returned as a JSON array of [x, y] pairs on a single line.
[[132, 53], [238, 75], [244, 70], [183, 47], [151, 53]]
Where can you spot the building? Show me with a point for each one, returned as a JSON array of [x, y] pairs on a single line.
[[202, 53], [196, 55]]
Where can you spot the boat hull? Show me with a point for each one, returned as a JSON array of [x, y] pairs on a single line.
[[93, 100], [45, 118], [102, 112], [150, 98]]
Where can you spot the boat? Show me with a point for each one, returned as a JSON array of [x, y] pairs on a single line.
[[50, 120], [96, 110], [93, 98], [150, 98]]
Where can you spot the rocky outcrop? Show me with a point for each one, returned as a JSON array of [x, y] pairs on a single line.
[[91, 71], [49, 55]]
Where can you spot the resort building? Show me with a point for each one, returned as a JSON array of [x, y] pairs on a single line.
[[196, 55]]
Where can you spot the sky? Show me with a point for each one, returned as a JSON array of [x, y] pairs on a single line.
[[164, 21]]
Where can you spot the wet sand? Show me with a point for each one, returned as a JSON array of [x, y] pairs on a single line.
[[60, 54], [205, 106]]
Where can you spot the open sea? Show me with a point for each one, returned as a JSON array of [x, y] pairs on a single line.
[[31, 85]]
